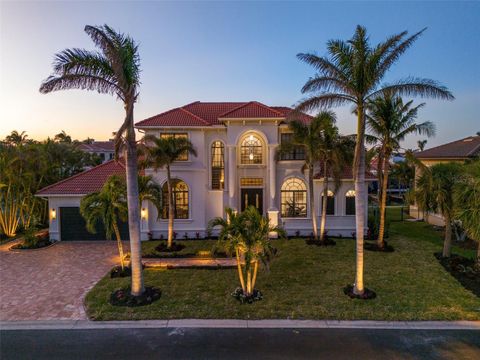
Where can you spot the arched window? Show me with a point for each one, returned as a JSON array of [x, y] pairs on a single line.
[[218, 165], [293, 198], [251, 150], [350, 202], [330, 202], [180, 199]]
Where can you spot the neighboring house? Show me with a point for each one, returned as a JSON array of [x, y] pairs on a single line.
[[104, 149], [456, 151], [236, 166]]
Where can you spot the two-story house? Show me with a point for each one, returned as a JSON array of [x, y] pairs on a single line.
[[236, 166]]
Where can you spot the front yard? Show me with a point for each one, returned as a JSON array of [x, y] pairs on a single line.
[[305, 282]]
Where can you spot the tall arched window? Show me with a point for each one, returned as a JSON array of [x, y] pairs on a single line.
[[251, 150], [330, 202], [293, 198], [180, 199], [350, 202], [218, 165]]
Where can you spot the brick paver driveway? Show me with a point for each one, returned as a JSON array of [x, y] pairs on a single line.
[[51, 283]]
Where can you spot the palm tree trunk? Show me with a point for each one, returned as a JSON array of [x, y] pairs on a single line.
[[383, 203], [239, 268], [477, 260], [137, 286], [359, 178], [119, 244], [255, 271], [170, 209], [447, 244], [324, 204], [313, 212], [249, 282]]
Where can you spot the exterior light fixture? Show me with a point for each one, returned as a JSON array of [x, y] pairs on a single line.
[[53, 214], [144, 214]]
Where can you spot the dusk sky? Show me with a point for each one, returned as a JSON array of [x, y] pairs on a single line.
[[228, 51]]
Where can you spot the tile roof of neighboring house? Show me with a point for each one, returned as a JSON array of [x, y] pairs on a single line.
[[98, 146], [85, 182], [464, 148], [208, 113], [347, 173]]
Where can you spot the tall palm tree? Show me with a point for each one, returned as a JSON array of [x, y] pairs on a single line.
[[467, 202], [389, 121], [421, 144], [162, 152], [16, 138], [309, 138], [114, 70], [63, 137], [247, 235], [107, 206], [334, 151], [352, 74]]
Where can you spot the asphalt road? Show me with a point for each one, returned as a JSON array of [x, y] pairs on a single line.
[[198, 343]]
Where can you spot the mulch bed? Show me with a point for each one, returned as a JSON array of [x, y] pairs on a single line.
[[374, 247], [123, 297], [462, 269], [117, 272], [244, 299], [162, 247], [367, 293], [40, 244], [325, 242]]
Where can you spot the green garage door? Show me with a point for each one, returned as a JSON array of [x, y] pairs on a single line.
[[72, 227]]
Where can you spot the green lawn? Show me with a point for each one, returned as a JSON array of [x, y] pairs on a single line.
[[306, 282]]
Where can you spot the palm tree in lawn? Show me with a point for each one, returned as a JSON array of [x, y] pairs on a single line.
[[389, 122], [247, 235], [352, 74], [467, 203], [162, 152], [107, 206], [309, 138], [114, 70], [335, 151]]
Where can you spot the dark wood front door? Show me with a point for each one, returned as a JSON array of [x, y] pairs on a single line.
[[252, 197]]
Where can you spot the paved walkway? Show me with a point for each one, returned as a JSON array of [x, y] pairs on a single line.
[[51, 283], [171, 263]]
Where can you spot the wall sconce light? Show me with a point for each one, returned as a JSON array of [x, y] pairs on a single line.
[[143, 214], [53, 214], [250, 156]]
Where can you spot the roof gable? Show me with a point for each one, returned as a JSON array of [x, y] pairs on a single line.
[[252, 110], [463, 148]]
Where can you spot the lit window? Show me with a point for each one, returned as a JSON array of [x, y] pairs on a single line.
[[293, 198], [251, 182], [180, 200], [218, 166], [350, 202], [296, 153], [251, 150], [184, 155], [330, 202]]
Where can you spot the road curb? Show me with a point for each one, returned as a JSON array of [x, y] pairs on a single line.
[[233, 323]]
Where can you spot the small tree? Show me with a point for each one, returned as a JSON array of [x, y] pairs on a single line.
[[107, 206], [162, 152], [467, 203], [149, 190], [247, 235]]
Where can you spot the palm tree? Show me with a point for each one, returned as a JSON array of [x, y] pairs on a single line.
[[162, 152], [352, 74], [63, 137], [389, 121], [467, 202], [309, 138], [421, 144], [115, 70], [335, 151], [107, 206], [149, 190], [247, 235], [442, 179], [16, 138]]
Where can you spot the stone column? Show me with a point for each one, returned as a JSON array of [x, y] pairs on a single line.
[[272, 185], [231, 176]]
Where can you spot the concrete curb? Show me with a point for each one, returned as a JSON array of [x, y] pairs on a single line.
[[233, 323]]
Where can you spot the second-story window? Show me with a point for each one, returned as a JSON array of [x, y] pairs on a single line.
[[218, 165], [184, 156], [296, 153], [251, 151]]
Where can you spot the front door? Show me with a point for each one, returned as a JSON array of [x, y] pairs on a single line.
[[252, 197]]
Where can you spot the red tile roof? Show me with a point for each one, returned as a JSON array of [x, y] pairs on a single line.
[[85, 182], [98, 146], [463, 148], [347, 173], [209, 113]]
